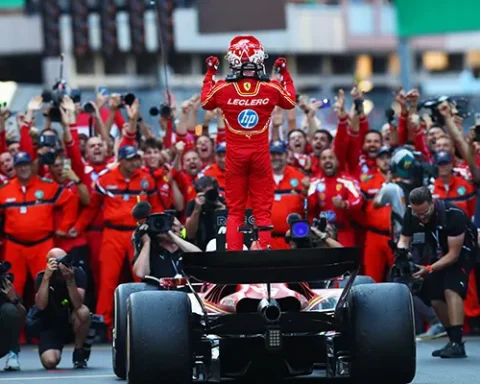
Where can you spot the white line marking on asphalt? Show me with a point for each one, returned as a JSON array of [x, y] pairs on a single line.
[[59, 377]]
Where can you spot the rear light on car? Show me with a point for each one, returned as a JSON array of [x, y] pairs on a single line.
[[273, 338]]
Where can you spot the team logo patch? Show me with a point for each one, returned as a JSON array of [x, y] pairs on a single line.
[[247, 86], [321, 187], [364, 168], [294, 183], [339, 187], [461, 191], [321, 196], [365, 177], [39, 194], [248, 119], [144, 184]]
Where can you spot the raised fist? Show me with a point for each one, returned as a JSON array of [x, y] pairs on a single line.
[[280, 65], [212, 63]]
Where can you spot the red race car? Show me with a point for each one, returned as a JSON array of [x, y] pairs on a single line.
[[253, 311]]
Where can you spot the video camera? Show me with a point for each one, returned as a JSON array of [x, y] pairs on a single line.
[[461, 104], [53, 148], [5, 266], [157, 222], [56, 95], [402, 270], [300, 230]]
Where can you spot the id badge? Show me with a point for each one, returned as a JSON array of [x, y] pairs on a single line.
[[278, 197], [126, 197], [23, 210]]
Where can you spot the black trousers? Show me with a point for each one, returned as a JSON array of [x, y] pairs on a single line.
[[10, 328]]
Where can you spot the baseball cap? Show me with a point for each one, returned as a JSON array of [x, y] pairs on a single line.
[[21, 158], [278, 146], [221, 147], [383, 150], [127, 152], [442, 157]]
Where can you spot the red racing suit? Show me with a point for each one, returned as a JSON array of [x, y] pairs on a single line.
[[247, 107], [320, 195]]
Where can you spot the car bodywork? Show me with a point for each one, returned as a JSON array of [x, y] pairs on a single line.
[[252, 301]]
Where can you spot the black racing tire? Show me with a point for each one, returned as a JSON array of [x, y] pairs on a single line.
[[382, 333], [119, 344], [159, 338], [359, 280]]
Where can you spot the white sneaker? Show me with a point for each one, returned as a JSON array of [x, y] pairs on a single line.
[[434, 332], [12, 363]]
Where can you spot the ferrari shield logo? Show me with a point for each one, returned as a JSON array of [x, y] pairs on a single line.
[[247, 86], [339, 187]]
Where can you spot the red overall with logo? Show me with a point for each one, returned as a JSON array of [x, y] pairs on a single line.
[[247, 107]]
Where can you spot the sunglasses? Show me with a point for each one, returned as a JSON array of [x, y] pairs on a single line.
[[427, 213]]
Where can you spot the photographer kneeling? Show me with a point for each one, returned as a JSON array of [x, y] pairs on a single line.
[[12, 315], [157, 254], [445, 238], [63, 317]]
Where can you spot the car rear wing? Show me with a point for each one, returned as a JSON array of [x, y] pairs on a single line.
[[268, 266]]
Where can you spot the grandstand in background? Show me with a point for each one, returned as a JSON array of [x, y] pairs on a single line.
[[329, 44]]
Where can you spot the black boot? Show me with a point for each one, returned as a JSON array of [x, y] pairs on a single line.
[[79, 360], [438, 352], [454, 351]]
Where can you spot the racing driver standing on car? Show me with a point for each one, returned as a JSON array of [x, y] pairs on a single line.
[[247, 98]]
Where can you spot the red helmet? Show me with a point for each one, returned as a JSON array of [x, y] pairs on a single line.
[[245, 49]]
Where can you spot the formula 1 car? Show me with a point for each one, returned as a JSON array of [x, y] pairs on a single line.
[[256, 313]]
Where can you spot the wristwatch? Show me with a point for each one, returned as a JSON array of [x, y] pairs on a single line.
[[324, 237], [16, 301], [78, 182]]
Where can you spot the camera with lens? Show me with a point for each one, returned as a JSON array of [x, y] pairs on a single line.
[[66, 260], [127, 99], [301, 233], [460, 103], [211, 195], [5, 267], [165, 111], [51, 143], [89, 107], [159, 223], [402, 270]]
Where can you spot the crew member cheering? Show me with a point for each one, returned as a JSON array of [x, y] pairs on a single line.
[[337, 196], [247, 98]]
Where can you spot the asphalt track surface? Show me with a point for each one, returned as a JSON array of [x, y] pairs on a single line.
[[429, 370]]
